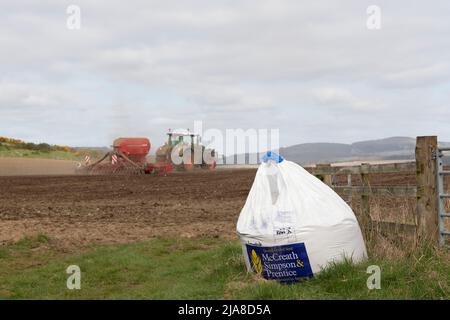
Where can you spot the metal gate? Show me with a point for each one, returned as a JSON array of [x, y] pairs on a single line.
[[444, 233]]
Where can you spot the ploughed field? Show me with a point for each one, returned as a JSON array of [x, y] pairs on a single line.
[[77, 210], [74, 210], [31, 166]]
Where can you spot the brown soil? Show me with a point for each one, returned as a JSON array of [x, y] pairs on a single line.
[[29, 166], [79, 210], [74, 210]]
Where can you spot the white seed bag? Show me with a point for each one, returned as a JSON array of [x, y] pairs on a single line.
[[293, 225]]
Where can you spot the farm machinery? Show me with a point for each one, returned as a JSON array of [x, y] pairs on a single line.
[[184, 151], [129, 156]]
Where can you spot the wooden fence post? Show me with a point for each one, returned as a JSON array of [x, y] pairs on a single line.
[[349, 184], [326, 178], [365, 198], [427, 192]]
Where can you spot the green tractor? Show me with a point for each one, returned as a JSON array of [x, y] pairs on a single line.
[[183, 149]]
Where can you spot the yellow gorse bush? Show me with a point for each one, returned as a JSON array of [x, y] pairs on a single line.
[[10, 140], [18, 142]]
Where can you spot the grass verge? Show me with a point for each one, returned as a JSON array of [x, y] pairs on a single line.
[[203, 268], [35, 154]]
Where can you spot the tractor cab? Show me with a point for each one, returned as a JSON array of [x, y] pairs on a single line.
[[180, 141], [185, 137]]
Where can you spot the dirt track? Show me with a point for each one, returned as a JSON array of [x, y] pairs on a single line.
[[74, 210]]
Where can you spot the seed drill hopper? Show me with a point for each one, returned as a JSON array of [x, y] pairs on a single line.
[[128, 156]]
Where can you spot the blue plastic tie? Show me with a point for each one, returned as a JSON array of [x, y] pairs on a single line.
[[272, 156]]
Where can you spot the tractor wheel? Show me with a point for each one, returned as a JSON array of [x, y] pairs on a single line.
[[212, 165]]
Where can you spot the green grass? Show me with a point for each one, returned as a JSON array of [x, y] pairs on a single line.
[[202, 269], [8, 152]]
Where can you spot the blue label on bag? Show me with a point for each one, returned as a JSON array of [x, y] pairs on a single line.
[[288, 263]]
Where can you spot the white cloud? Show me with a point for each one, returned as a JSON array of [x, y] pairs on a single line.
[[428, 75], [297, 65], [344, 99], [31, 97]]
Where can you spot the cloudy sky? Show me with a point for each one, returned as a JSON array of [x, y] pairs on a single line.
[[312, 69]]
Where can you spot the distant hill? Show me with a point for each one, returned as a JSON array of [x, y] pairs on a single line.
[[398, 148], [393, 148]]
